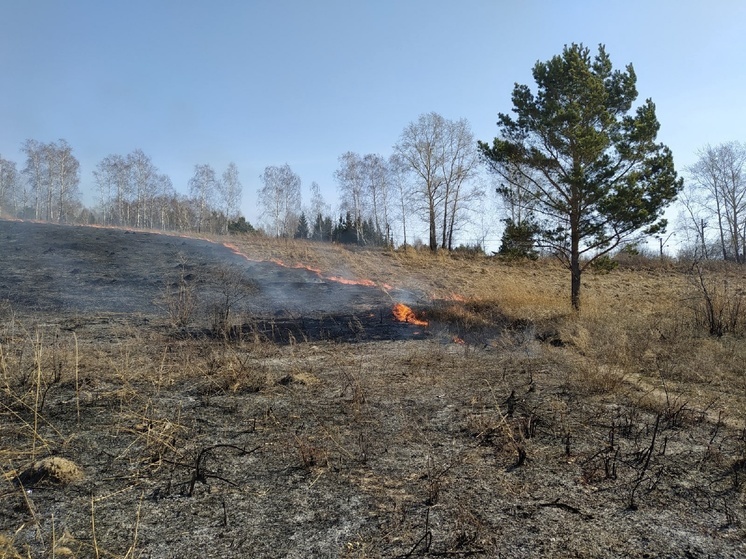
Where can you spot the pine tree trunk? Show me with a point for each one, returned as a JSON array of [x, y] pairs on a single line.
[[575, 253], [575, 272]]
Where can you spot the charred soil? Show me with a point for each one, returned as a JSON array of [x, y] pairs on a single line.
[[271, 410]]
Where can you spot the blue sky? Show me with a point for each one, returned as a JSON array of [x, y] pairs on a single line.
[[300, 82]]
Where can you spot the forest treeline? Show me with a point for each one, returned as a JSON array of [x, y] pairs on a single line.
[[430, 177], [377, 199]]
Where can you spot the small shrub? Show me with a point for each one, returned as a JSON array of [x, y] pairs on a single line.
[[468, 250], [604, 264], [233, 287], [179, 298], [240, 226]]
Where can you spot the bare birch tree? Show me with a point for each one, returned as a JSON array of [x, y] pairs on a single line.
[[721, 173], [202, 188], [442, 157], [112, 176], [34, 172], [398, 175], [9, 185], [459, 162], [66, 173], [378, 185], [280, 200], [163, 203], [351, 181], [420, 147], [144, 177], [318, 211], [318, 205], [230, 190], [53, 176], [693, 219]]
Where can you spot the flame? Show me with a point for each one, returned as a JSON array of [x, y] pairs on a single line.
[[457, 340], [317, 271], [403, 313], [365, 282]]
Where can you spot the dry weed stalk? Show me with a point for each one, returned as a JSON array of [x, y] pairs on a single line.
[[26, 393], [718, 306], [179, 297], [517, 441]]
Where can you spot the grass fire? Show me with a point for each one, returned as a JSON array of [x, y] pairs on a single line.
[[211, 401], [403, 313]]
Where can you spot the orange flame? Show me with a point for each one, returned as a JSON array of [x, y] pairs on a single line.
[[365, 282], [403, 313], [457, 340], [317, 271]]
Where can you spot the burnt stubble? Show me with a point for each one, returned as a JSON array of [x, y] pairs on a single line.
[[312, 424]]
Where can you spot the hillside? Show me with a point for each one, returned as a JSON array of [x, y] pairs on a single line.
[[508, 426]]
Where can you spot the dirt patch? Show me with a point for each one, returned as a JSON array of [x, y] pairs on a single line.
[[248, 446]]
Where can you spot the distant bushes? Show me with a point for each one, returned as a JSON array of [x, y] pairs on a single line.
[[239, 226]]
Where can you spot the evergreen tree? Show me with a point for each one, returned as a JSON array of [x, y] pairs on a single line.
[[240, 225], [302, 231], [518, 240], [594, 172]]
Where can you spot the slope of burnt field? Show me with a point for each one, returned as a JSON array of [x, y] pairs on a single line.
[[50, 267], [616, 432]]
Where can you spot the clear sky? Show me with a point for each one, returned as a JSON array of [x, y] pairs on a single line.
[[269, 82]]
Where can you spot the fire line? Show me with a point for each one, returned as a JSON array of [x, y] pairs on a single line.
[[336, 279]]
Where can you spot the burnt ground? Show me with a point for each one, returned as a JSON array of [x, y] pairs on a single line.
[[281, 438], [82, 270]]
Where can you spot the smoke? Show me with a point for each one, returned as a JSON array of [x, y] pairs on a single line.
[[92, 269]]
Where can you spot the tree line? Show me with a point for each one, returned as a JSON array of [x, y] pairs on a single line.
[[579, 171], [713, 204], [131, 192], [429, 176], [426, 177], [47, 187]]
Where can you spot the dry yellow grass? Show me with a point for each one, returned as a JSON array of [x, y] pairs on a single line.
[[636, 325], [529, 289], [636, 348], [7, 549]]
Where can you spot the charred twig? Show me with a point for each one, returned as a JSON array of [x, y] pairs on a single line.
[[510, 404], [597, 454], [718, 425], [427, 538], [645, 460], [520, 460], [202, 475]]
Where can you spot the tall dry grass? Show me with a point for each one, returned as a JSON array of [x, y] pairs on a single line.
[[637, 335], [643, 324]]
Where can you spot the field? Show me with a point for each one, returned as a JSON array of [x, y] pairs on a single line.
[[171, 397]]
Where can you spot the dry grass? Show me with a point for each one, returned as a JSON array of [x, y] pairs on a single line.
[[641, 322], [415, 428], [7, 549]]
